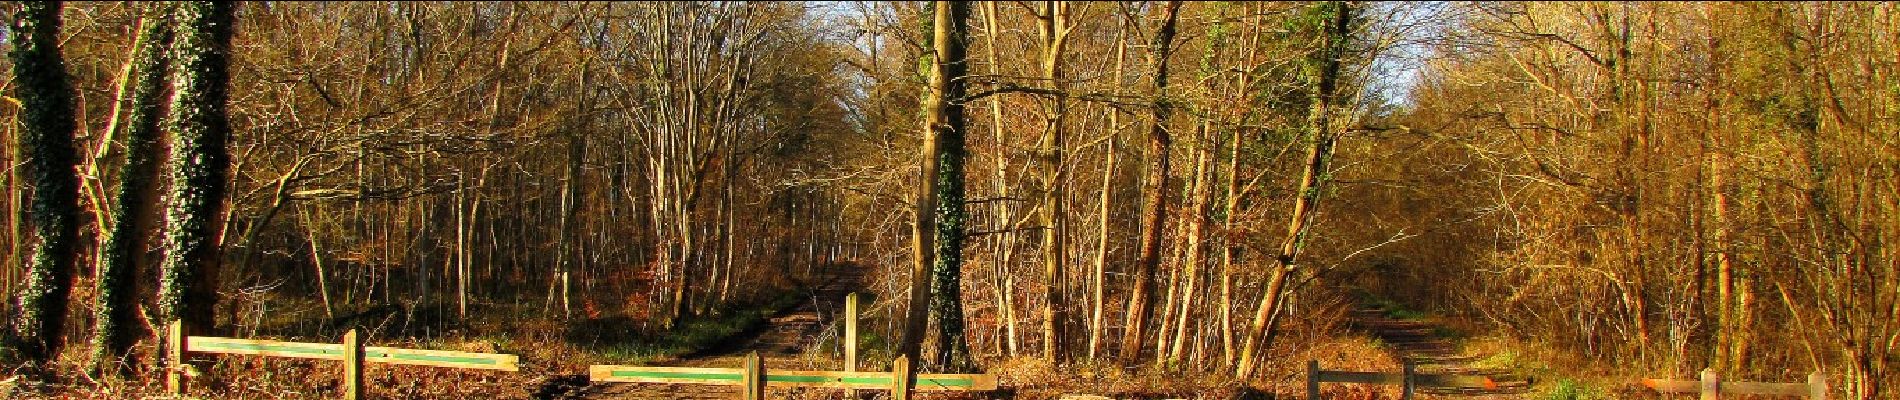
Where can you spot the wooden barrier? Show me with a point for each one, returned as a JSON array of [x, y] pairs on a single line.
[[1409, 380], [754, 378], [1711, 387], [351, 352]]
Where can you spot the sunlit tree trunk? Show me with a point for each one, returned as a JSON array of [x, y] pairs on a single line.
[[1055, 34], [949, 85], [1196, 244], [1005, 214], [1098, 293], [1230, 248], [1141, 297]]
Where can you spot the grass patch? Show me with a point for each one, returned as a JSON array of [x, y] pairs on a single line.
[[1510, 361], [1571, 390], [1404, 314]]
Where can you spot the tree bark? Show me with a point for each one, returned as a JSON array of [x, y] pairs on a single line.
[[1055, 33], [952, 31], [1196, 246], [1141, 298], [1098, 299]]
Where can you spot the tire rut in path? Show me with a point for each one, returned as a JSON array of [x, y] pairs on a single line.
[[1420, 342], [782, 341]]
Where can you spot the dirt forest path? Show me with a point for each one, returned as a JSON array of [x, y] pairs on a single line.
[[785, 341], [1420, 342]]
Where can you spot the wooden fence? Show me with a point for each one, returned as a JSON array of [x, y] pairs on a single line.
[[1409, 380], [1711, 387], [754, 378], [351, 352]]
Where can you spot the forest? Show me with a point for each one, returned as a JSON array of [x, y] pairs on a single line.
[[1128, 199]]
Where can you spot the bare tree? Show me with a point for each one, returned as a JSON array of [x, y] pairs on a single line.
[[1141, 297]]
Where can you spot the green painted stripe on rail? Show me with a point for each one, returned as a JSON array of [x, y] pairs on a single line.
[[946, 382], [825, 379], [204, 345], [705, 376], [372, 355]]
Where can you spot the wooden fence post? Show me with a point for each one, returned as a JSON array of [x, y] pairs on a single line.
[[1817, 386], [754, 380], [1312, 379], [1408, 379], [174, 357], [851, 332], [900, 378], [352, 366], [1711, 385], [851, 338]]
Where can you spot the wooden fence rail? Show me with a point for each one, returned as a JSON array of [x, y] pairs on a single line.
[[1711, 387], [1409, 380], [351, 352], [755, 377]]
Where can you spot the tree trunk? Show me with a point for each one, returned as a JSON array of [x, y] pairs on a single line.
[[939, 231], [47, 129], [1196, 246], [123, 251], [1098, 299], [1005, 281], [1055, 32], [1320, 146], [571, 195], [1229, 251], [1099, 284], [946, 306], [1141, 299]]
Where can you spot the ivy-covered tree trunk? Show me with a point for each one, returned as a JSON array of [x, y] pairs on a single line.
[[46, 132], [939, 231], [125, 242], [200, 163], [1323, 70], [946, 288]]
